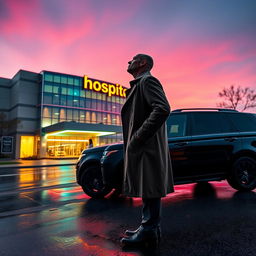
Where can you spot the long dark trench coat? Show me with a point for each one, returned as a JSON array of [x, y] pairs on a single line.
[[147, 163]]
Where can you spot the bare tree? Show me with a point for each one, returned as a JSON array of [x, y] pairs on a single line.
[[238, 97]]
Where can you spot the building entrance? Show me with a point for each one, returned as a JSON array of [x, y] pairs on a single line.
[[61, 147], [71, 143], [27, 146]]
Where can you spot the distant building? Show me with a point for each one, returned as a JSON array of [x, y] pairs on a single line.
[[53, 115]]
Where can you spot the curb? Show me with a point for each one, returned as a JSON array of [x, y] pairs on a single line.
[[33, 166]]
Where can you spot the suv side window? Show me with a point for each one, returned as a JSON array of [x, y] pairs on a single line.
[[210, 123], [244, 122], [176, 125]]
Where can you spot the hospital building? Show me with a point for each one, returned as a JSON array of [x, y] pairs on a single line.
[[56, 115]]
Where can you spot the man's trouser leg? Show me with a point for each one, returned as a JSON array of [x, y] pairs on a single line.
[[151, 213]]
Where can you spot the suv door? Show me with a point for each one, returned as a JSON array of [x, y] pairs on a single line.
[[212, 143], [178, 142]]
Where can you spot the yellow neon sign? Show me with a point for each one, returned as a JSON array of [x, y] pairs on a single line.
[[109, 89]]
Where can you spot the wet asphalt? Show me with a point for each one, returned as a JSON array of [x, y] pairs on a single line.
[[44, 212]]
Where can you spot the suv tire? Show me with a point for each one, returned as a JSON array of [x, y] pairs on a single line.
[[92, 182], [243, 174]]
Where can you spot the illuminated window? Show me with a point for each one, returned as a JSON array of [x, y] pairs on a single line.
[[46, 122], [113, 119], [64, 90], [63, 80], [94, 95], [56, 89], [88, 117], [99, 96], [88, 94], [108, 119], [48, 77], [62, 114], [70, 91], [81, 116], [113, 99], [118, 121], [55, 121], [93, 120], [104, 118], [48, 88], [76, 81], [56, 113], [76, 92], [82, 93], [26, 146], [47, 112], [70, 80], [56, 79]]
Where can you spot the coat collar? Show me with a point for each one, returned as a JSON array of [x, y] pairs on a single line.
[[138, 78], [134, 84]]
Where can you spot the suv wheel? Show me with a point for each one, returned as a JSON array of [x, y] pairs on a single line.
[[243, 174], [92, 182]]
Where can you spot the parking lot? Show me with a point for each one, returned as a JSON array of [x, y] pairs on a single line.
[[57, 218]]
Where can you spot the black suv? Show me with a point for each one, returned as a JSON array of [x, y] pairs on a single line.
[[205, 145]]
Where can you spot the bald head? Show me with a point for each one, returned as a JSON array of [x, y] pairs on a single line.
[[148, 59], [139, 64]]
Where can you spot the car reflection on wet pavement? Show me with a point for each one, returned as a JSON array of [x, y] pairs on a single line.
[[44, 212]]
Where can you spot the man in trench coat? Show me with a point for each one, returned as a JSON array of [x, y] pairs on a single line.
[[147, 163]]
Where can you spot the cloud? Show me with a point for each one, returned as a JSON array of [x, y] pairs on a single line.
[[198, 46]]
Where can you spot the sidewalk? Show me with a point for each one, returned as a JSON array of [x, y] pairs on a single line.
[[36, 163]]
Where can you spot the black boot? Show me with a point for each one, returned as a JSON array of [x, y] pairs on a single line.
[[142, 236], [132, 232]]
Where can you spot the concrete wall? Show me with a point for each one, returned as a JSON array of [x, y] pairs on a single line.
[[19, 100], [5, 92]]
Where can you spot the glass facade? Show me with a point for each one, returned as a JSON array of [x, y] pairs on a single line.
[[63, 100]]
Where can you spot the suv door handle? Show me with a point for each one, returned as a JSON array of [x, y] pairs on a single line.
[[181, 144], [230, 139]]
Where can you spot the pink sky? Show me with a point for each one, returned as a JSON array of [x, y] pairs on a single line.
[[199, 46]]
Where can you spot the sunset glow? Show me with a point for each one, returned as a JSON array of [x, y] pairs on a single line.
[[199, 47]]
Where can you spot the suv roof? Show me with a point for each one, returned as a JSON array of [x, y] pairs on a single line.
[[204, 109]]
